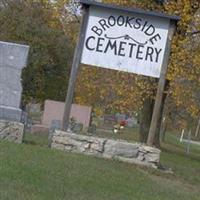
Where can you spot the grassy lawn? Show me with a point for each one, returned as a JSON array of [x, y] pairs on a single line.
[[39, 139], [31, 171], [129, 134]]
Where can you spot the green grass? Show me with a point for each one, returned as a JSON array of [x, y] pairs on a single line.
[[186, 167], [129, 134], [34, 172], [40, 139]]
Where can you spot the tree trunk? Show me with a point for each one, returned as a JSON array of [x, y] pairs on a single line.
[[197, 129], [145, 119], [160, 121], [157, 136], [163, 131]]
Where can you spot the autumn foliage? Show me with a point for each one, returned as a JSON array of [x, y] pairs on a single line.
[[110, 91]]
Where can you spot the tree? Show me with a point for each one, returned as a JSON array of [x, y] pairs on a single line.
[[184, 67], [119, 91], [43, 25], [32, 23], [179, 75]]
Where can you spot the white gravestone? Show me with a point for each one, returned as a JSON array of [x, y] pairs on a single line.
[[13, 58]]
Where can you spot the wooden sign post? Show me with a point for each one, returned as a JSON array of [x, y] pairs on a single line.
[[124, 39], [74, 70], [161, 86]]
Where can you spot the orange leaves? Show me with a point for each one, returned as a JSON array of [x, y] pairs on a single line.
[[113, 90], [184, 68], [108, 89]]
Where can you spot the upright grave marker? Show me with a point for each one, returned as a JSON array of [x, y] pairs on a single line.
[[13, 58], [123, 39]]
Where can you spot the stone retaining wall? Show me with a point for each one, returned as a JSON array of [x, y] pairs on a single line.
[[113, 149], [12, 131]]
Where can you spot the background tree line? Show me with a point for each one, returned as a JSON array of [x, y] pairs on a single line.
[[34, 23]]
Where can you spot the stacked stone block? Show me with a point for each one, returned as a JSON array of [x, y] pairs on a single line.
[[11, 131], [111, 149]]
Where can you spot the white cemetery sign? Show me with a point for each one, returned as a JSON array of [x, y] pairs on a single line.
[[125, 39], [131, 42]]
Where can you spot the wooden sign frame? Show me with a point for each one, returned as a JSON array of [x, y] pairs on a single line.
[[78, 53]]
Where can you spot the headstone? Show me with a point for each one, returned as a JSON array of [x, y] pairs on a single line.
[[131, 122], [55, 124], [109, 118], [13, 58], [39, 128], [120, 117], [24, 118], [34, 107], [34, 112], [53, 110], [78, 127], [92, 129]]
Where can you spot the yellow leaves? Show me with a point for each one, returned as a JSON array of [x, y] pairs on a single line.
[[114, 90], [98, 111], [183, 8], [108, 89], [118, 2]]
